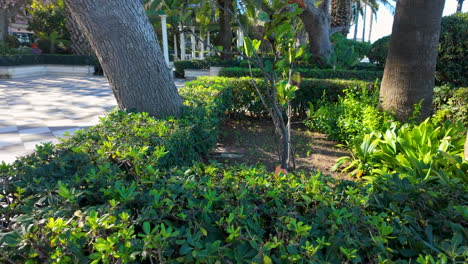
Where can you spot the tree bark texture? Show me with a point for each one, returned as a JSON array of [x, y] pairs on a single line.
[[80, 43], [411, 62], [225, 27], [4, 21], [317, 24], [341, 15], [127, 48]]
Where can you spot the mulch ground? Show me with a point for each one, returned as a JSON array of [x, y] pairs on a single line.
[[252, 141]]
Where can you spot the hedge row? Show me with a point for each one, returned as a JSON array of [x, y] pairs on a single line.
[[17, 60], [244, 98], [180, 66], [363, 75]]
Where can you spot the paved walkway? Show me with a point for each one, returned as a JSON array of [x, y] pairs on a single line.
[[37, 110]]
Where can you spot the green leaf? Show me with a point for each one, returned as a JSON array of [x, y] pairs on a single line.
[[146, 228], [264, 17]]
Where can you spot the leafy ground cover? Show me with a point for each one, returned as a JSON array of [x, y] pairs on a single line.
[[131, 190]]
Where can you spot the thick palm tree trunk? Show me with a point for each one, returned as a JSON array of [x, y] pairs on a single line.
[[127, 48], [409, 71], [341, 15]]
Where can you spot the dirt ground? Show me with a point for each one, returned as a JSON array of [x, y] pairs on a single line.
[[252, 141]]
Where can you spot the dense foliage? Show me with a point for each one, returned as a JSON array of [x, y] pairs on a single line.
[[354, 113], [118, 193], [378, 51], [347, 52], [452, 60], [364, 75], [451, 104], [429, 152]]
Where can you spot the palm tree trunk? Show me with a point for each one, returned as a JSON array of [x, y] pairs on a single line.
[[370, 25], [364, 17], [127, 48], [225, 27], [460, 5], [356, 26], [409, 70]]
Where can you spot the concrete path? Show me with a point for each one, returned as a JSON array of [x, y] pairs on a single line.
[[37, 110]]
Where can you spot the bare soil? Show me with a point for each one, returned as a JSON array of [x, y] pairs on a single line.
[[252, 141]]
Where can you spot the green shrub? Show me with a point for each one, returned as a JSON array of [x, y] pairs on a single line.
[[452, 60], [244, 97], [355, 113], [70, 210], [379, 50], [12, 42], [451, 104], [309, 73], [428, 152], [117, 193], [346, 52]]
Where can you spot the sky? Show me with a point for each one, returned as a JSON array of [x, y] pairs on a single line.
[[383, 26]]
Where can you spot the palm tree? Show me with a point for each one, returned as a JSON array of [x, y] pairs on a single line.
[[460, 5], [411, 62]]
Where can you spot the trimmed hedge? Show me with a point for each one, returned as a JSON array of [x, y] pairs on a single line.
[[309, 73], [17, 60], [180, 66], [452, 59], [244, 99]]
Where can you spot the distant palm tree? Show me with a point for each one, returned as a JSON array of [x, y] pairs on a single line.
[[460, 5]]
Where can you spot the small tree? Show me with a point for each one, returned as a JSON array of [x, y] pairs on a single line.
[[8, 10]]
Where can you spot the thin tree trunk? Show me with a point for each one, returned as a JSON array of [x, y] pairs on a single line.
[[409, 70], [364, 17], [4, 21], [460, 5], [371, 22], [6, 13], [80, 44], [356, 27], [225, 27], [127, 48]]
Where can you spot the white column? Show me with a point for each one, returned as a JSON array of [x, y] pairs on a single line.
[[208, 49], [240, 38], [192, 39], [164, 39], [202, 50], [182, 44], [176, 55]]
